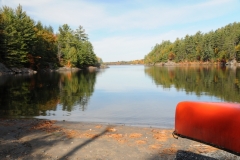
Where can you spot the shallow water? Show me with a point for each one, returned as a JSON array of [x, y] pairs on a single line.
[[131, 95]]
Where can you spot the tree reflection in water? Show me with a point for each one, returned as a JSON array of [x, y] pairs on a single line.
[[28, 96], [221, 82], [76, 89]]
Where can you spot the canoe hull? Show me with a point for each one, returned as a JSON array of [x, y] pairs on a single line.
[[216, 124]]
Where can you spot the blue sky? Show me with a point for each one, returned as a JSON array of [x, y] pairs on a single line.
[[128, 29]]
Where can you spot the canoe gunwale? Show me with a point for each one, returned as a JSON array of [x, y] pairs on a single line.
[[219, 147]]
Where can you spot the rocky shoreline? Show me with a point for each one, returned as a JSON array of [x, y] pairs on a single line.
[[171, 63], [4, 70], [14, 70]]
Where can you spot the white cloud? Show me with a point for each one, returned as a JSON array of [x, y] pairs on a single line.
[[151, 21], [119, 48], [94, 16]]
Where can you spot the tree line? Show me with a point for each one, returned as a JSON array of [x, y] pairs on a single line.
[[26, 43], [221, 45], [140, 61]]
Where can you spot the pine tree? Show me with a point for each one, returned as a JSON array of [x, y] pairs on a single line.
[[45, 49], [2, 38], [75, 48], [20, 36]]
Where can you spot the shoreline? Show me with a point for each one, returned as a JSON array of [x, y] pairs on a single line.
[[49, 139], [27, 71], [184, 64]]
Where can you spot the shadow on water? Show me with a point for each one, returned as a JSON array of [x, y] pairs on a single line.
[[35, 95]]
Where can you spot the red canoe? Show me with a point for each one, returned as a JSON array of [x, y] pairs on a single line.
[[216, 124]]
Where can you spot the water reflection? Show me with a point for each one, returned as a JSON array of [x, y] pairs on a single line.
[[220, 82], [76, 89], [132, 95], [23, 95]]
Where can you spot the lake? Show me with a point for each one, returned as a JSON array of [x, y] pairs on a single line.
[[130, 95]]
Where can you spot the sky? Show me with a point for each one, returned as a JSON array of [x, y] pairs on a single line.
[[124, 30]]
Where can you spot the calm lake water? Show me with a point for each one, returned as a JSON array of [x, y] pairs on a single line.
[[131, 95]]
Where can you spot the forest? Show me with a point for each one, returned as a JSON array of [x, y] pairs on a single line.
[[26, 43], [221, 46]]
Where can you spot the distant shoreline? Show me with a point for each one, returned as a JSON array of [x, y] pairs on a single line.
[[170, 63]]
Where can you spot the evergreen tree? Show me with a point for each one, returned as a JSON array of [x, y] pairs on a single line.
[[24, 43], [2, 38], [20, 36], [45, 49], [75, 48], [80, 34]]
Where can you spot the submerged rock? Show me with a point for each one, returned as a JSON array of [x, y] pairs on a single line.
[[92, 68], [15, 70], [68, 69], [4, 69], [103, 66]]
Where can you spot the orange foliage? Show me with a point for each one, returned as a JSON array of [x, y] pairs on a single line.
[[69, 75], [171, 56], [69, 64]]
